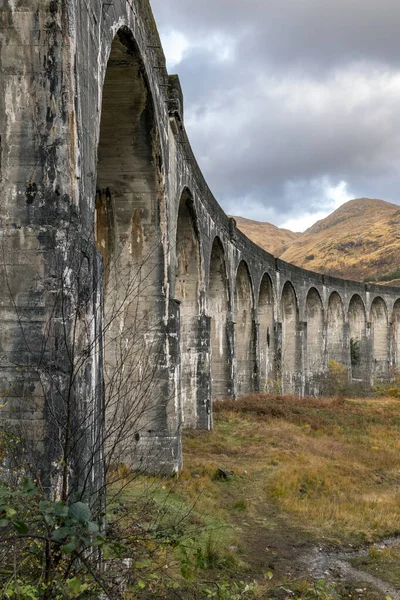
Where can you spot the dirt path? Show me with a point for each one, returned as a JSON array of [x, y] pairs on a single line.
[[272, 544], [336, 566]]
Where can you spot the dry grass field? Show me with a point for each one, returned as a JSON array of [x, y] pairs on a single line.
[[294, 498]]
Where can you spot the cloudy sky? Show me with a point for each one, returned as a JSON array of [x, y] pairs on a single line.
[[292, 106]]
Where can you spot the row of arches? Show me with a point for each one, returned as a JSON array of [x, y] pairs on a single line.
[[250, 349], [277, 355], [246, 343]]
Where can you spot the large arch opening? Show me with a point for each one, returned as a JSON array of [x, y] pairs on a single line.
[[358, 338], [380, 339], [267, 334], [245, 343], [218, 297], [291, 350], [127, 234], [187, 291], [315, 338], [396, 337], [337, 349]]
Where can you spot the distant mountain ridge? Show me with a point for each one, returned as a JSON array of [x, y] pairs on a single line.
[[360, 241]]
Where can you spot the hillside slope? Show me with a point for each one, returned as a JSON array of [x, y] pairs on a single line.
[[360, 241], [273, 239]]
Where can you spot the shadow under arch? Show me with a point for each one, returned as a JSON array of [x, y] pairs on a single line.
[[291, 347], [337, 340], [128, 237], [218, 309], [316, 363], [395, 333], [380, 339], [358, 339], [188, 289], [245, 331], [266, 320]]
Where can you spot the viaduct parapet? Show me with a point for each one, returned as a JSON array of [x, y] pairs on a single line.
[[125, 288]]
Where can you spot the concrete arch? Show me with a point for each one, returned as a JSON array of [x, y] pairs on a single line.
[[396, 337], [302, 295], [316, 363], [188, 278], [245, 338], [380, 339], [336, 336], [358, 338], [128, 237], [127, 190], [189, 269], [266, 309], [218, 305], [291, 348]]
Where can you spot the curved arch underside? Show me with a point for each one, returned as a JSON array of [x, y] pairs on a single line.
[[316, 365], [337, 338], [218, 294], [291, 347], [380, 339], [245, 341], [395, 339], [128, 237], [187, 291], [358, 338], [266, 319]]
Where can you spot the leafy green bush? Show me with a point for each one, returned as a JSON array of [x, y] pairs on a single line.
[[55, 546], [389, 388], [336, 382], [237, 590], [390, 276]]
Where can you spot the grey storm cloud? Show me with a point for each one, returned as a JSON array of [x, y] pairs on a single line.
[[286, 100], [316, 31]]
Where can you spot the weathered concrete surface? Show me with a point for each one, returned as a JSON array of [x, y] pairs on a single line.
[[123, 281]]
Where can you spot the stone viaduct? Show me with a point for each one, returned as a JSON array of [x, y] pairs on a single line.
[[123, 282]]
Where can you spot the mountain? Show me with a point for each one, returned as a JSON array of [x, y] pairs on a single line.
[[360, 241], [273, 239]]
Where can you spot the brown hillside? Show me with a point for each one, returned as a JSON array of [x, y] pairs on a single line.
[[360, 241], [267, 236]]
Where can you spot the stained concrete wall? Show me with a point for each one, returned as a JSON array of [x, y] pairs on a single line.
[[267, 336], [380, 340], [395, 339], [113, 244], [358, 338], [187, 291], [244, 329], [315, 347], [291, 344], [219, 304], [337, 339]]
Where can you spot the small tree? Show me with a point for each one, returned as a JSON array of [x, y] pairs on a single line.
[[355, 352], [52, 515]]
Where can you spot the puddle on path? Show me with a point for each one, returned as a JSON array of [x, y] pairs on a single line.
[[335, 565]]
